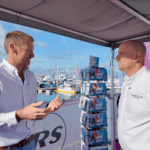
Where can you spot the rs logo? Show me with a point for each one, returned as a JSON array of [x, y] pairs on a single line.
[[46, 133], [50, 132]]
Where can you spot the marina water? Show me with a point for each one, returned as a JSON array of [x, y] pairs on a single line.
[[49, 97]]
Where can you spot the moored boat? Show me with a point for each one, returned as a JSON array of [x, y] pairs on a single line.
[[65, 90]]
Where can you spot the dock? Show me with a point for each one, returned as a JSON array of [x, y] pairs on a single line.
[[47, 89]]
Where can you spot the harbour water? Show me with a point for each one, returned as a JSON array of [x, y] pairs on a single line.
[[49, 97]]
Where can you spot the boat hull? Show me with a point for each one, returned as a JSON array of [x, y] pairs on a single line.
[[65, 90]]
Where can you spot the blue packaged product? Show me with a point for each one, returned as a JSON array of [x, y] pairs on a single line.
[[97, 105], [98, 148], [99, 74], [97, 89], [84, 135], [94, 138], [94, 61], [84, 119], [83, 74], [92, 105], [83, 102], [97, 120], [98, 137], [84, 89], [93, 121], [85, 147]]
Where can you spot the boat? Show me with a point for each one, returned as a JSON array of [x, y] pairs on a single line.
[[117, 87], [65, 90]]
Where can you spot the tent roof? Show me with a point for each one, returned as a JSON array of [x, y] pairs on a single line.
[[102, 22]]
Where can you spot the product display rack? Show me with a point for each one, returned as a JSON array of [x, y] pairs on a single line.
[[94, 124]]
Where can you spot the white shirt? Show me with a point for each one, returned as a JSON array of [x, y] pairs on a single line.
[[15, 95], [134, 112]]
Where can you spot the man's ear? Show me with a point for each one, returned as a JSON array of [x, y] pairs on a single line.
[[138, 56], [12, 48]]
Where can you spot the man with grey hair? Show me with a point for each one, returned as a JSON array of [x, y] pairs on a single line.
[[18, 95], [134, 105]]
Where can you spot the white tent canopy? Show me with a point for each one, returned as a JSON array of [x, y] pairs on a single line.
[[102, 22]]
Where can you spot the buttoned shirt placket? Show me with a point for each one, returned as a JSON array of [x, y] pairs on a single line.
[[21, 82]]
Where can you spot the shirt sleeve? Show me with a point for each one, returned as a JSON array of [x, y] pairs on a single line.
[[7, 120]]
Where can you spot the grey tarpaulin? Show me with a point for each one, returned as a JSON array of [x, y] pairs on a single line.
[[102, 22]]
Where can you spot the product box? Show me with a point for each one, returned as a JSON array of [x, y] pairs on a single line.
[[98, 137], [84, 133], [99, 74], [97, 105], [99, 148], [94, 138], [93, 89], [85, 147], [85, 87], [94, 61], [93, 105], [93, 121], [97, 89]]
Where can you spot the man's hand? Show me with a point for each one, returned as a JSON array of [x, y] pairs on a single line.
[[31, 112], [54, 105]]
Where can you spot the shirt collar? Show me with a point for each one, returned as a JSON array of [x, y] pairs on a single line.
[[11, 67], [136, 76]]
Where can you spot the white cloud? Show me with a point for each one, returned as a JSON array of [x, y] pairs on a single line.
[[70, 53], [65, 55], [64, 41], [41, 44], [58, 57]]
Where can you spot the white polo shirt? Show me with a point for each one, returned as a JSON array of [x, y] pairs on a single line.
[[15, 95], [134, 112]]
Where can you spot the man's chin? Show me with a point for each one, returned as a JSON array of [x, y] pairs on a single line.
[[119, 67], [26, 65]]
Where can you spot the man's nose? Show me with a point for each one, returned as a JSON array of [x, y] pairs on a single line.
[[32, 55], [117, 58]]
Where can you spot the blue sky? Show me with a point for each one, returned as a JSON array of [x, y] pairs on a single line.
[[51, 49]]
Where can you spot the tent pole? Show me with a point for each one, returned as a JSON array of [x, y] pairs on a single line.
[[130, 10], [113, 129]]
